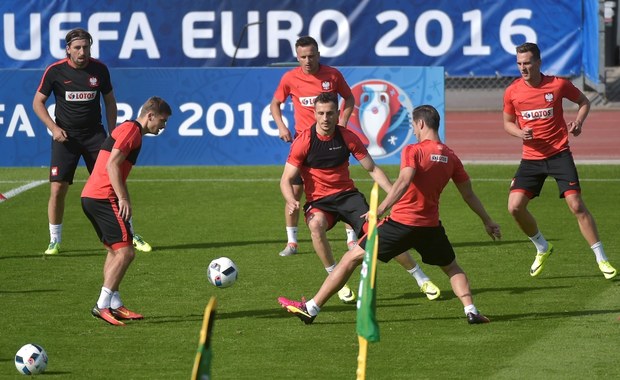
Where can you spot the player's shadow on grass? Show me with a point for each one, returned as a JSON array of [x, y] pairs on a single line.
[[47, 374], [221, 244], [447, 295], [274, 312], [61, 255], [552, 314], [499, 318], [384, 319], [484, 243]]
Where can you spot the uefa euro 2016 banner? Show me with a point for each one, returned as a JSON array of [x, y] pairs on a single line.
[[466, 37], [221, 116]]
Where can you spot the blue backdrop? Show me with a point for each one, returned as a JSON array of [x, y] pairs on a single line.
[[220, 115], [467, 37], [177, 49]]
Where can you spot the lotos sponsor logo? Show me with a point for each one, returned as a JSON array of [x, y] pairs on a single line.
[[545, 113], [382, 116], [80, 96], [307, 101]]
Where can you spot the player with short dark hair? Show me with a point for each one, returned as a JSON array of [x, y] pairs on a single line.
[[533, 112], [321, 156], [78, 83], [303, 84], [106, 203], [426, 168]]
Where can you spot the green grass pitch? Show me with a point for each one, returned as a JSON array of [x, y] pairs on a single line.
[[560, 325]]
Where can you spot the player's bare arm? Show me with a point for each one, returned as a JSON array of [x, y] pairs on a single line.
[[38, 105], [286, 187], [276, 113], [474, 203], [398, 189], [349, 106], [113, 167], [376, 173], [575, 127], [510, 126], [111, 110]]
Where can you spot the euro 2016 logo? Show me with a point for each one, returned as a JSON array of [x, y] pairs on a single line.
[[382, 117]]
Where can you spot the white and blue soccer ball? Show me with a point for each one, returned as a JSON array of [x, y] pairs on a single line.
[[31, 359], [222, 272]]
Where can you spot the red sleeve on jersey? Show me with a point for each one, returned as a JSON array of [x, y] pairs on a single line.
[[127, 137], [459, 175], [299, 149], [354, 144], [407, 157], [508, 106], [342, 86], [284, 89], [569, 90]]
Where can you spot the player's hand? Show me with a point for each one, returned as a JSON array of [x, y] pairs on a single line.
[[493, 230], [124, 209], [285, 135], [574, 128], [292, 207], [528, 133], [59, 135]]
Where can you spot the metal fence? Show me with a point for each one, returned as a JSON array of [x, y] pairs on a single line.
[[477, 83]]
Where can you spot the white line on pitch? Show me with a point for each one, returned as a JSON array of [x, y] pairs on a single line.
[[13, 192], [474, 179]]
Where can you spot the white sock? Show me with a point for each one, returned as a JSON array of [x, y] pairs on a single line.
[[291, 234], [55, 232], [312, 308], [351, 235], [599, 252], [104, 298], [330, 268], [471, 309], [540, 242], [116, 301], [419, 275]]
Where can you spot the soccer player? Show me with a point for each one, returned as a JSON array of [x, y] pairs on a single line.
[[78, 82], [426, 167], [533, 113], [320, 155], [106, 203], [303, 84]]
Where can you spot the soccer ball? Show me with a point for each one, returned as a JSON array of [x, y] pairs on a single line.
[[31, 359], [222, 272]]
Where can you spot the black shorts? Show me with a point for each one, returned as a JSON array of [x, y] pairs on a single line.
[[431, 242], [103, 214], [531, 174], [347, 206], [66, 156]]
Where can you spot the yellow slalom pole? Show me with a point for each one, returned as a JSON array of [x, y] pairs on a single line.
[[372, 222], [361, 358], [207, 322]]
